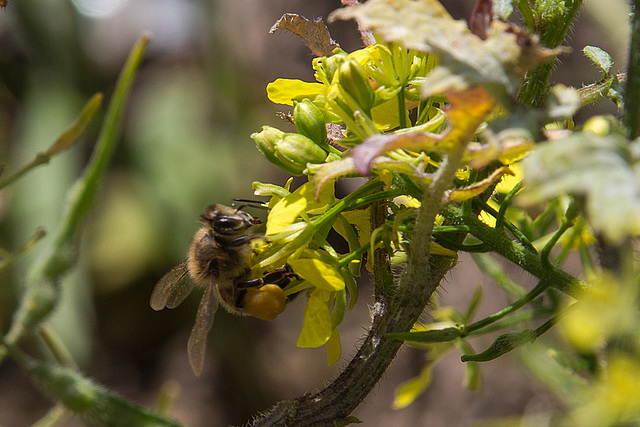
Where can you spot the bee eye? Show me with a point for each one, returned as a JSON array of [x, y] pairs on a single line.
[[226, 223]]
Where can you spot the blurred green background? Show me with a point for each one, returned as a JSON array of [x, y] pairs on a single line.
[[198, 97]]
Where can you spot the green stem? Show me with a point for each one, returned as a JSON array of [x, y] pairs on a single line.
[[631, 113], [335, 402], [599, 90], [533, 294], [505, 205], [43, 280], [56, 346], [566, 224], [514, 252], [551, 20], [355, 254], [517, 233], [402, 118], [346, 203], [382, 195]]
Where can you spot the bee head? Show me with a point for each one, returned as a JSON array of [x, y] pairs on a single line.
[[227, 221]]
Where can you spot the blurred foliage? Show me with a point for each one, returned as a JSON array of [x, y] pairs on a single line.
[[181, 150], [185, 144]]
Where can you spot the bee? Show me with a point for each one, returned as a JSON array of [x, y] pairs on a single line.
[[219, 261]]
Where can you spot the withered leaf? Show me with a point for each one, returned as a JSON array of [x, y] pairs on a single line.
[[496, 62], [314, 33]]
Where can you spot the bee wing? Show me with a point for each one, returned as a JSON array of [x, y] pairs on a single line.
[[172, 288], [197, 345]]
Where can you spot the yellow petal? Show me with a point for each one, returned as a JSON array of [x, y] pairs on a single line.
[[287, 210], [284, 91], [318, 273], [316, 326], [334, 349]]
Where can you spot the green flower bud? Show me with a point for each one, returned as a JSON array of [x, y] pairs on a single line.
[[310, 121], [289, 151], [266, 142], [295, 151], [327, 66], [354, 81]]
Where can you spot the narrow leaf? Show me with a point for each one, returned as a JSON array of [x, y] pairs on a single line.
[[599, 57], [43, 280], [71, 135], [502, 345], [466, 193], [64, 141]]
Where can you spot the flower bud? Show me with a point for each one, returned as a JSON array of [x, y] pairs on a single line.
[[327, 66], [310, 121], [266, 142], [354, 81], [294, 151]]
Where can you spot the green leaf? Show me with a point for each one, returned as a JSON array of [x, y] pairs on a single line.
[[599, 57], [602, 169], [473, 304], [472, 375], [502, 345], [502, 9], [67, 139]]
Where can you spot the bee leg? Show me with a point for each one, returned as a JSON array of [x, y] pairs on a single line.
[[281, 276], [247, 203], [244, 240]]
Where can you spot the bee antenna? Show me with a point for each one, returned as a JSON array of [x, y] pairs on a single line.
[[247, 203]]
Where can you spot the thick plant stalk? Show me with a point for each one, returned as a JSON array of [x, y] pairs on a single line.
[[336, 401], [422, 277]]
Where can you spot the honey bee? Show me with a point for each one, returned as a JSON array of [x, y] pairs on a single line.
[[219, 261]]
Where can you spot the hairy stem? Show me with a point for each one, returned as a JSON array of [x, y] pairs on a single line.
[[551, 21], [395, 314]]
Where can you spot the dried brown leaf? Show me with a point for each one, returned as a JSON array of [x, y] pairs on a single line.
[[314, 33]]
